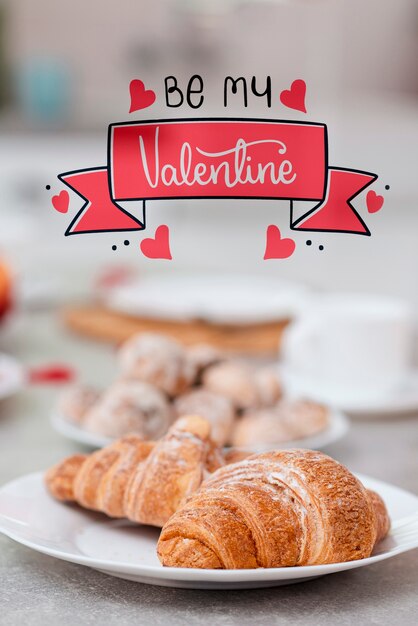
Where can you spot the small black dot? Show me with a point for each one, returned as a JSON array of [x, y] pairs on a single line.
[[48, 187], [126, 242], [114, 247], [387, 187], [309, 242], [321, 247]]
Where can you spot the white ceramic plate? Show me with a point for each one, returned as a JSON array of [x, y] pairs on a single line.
[[403, 400], [337, 428], [234, 298], [33, 518], [11, 376], [76, 433]]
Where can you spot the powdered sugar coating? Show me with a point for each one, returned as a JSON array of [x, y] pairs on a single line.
[[217, 409], [74, 402], [268, 386], [202, 356], [247, 387], [158, 360], [235, 381], [286, 421], [130, 406]]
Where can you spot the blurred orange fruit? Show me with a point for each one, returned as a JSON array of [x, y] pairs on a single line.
[[5, 288]]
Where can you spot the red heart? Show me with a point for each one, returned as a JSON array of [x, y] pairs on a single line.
[[61, 202], [294, 98], [141, 98], [276, 247], [159, 247], [374, 202]]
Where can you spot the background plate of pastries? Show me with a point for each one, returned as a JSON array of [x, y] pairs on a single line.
[[158, 380], [183, 512]]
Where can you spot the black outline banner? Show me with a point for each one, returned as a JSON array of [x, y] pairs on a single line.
[[333, 212]]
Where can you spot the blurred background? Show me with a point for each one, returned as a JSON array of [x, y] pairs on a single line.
[[65, 68]]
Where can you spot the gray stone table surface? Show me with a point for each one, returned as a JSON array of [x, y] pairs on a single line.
[[36, 589]]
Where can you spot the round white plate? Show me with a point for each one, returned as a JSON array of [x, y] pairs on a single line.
[[12, 376], [403, 400], [337, 428], [233, 298], [116, 547], [76, 433]]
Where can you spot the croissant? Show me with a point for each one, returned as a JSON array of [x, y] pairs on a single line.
[[276, 509], [141, 480]]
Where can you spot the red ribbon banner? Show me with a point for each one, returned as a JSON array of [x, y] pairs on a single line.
[[216, 158]]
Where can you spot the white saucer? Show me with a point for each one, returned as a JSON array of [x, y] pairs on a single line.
[[33, 518], [12, 376], [230, 298], [403, 400], [337, 428]]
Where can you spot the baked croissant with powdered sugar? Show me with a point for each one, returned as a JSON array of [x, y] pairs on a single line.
[[278, 509], [141, 480]]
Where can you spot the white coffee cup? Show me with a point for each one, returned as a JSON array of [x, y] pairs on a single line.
[[349, 348]]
